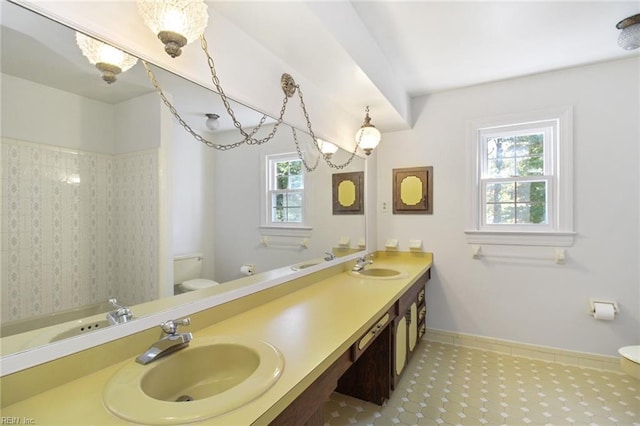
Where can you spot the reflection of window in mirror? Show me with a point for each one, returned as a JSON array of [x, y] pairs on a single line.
[[348, 193], [286, 190], [413, 190]]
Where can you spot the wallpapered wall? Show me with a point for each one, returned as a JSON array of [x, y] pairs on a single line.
[[77, 228]]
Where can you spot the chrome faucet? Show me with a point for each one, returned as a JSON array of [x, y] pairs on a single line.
[[120, 315], [169, 342], [329, 256], [361, 263]]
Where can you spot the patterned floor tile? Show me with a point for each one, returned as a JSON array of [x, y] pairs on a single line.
[[451, 385]]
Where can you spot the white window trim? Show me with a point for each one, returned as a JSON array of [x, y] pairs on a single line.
[[560, 231], [268, 228]]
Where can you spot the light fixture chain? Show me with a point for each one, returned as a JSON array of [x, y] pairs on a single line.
[[174, 112], [227, 104], [315, 140], [249, 137], [306, 166]]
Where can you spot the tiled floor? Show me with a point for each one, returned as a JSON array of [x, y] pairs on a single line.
[[452, 385]]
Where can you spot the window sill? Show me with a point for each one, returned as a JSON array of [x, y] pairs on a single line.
[[286, 231], [521, 238]]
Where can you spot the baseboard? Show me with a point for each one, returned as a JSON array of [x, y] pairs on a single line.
[[560, 356]]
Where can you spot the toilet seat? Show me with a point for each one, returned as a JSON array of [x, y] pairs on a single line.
[[632, 353], [630, 360], [198, 284]]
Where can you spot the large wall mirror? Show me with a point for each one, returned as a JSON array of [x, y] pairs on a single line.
[[102, 188]]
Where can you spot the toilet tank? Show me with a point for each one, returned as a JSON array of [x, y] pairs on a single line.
[[187, 267]]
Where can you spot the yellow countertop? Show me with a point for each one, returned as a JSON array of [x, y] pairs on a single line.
[[311, 327]]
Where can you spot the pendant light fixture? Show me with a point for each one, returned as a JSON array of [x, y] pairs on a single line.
[[368, 137], [327, 148], [212, 122], [629, 38], [109, 60], [175, 22]]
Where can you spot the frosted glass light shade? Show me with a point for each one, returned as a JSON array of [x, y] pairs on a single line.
[[327, 148], [212, 122], [629, 38], [368, 138], [186, 18], [106, 58]]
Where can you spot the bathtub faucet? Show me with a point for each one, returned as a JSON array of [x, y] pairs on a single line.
[[120, 315]]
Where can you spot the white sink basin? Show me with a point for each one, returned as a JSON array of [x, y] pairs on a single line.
[[304, 265], [209, 378], [379, 274]]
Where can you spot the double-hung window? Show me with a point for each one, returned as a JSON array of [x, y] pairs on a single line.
[[285, 191], [521, 180], [516, 178]]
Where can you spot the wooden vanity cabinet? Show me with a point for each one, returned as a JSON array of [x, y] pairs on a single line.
[[307, 409], [368, 377], [408, 327], [372, 366], [360, 372]]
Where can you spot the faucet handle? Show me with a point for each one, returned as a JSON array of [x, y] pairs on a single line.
[[329, 256], [115, 304], [171, 326]]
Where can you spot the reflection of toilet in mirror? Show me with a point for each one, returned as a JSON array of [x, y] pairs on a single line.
[[187, 272]]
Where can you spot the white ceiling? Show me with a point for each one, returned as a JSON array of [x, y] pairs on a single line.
[[382, 53]]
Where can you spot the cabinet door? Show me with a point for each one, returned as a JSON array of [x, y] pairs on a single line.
[[401, 345], [413, 326]]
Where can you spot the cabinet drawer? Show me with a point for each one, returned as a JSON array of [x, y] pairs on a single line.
[[367, 338], [415, 293], [408, 298], [422, 330], [422, 313]]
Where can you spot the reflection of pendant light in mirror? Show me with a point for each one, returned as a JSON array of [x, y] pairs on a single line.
[[327, 148], [175, 22], [368, 136], [212, 122], [629, 38], [109, 60]]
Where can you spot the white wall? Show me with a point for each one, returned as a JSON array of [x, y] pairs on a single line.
[[189, 192], [138, 124], [238, 191], [31, 112], [531, 302]]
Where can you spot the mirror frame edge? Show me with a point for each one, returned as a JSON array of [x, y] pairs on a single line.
[[32, 357]]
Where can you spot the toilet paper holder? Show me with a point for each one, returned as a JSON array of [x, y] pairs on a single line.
[[592, 306]]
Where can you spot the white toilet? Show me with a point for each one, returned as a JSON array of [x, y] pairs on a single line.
[[186, 274], [630, 361]]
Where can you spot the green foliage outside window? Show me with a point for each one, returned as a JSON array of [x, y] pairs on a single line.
[[289, 175], [517, 201], [287, 201]]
